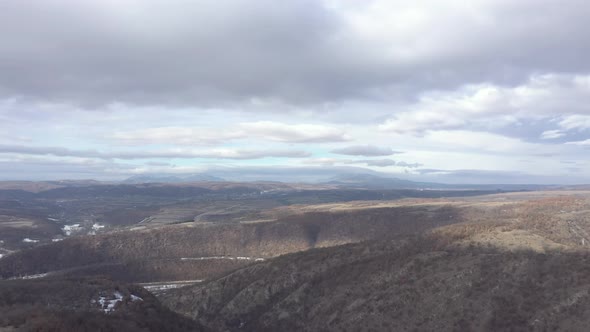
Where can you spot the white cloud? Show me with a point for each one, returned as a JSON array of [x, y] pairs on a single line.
[[584, 143], [296, 133], [482, 141], [552, 134], [263, 130], [492, 107], [575, 122], [175, 135]]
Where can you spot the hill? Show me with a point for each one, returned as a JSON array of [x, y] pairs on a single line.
[[84, 305], [420, 284]]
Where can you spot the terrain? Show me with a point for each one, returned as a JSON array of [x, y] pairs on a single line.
[[37, 213], [82, 304], [226, 256]]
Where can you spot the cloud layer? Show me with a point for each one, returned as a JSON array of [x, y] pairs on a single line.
[[499, 88]]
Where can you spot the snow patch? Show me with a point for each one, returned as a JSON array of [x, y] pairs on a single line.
[[56, 240], [135, 298], [34, 276], [27, 240], [222, 257], [52, 219], [108, 304], [69, 229], [162, 287], [97, 226]]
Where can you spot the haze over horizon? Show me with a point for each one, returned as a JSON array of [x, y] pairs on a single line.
[[454, 91]]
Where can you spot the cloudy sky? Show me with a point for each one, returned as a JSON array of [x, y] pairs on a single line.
[[455, 91]]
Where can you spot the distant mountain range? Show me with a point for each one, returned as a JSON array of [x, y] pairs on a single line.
[[371, 181], [343, 180], [170, 178]]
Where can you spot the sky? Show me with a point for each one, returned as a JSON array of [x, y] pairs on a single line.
[[481, 91]]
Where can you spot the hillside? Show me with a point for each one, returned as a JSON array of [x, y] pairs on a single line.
[[422, 284], [180, 252], [84, 305], [511, 261]]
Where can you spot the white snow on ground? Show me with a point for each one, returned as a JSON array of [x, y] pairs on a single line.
[[221, 257], [56, 240], [30, 276], [135, 298], [52, 219], [162, 287], [69, 229], [97, 226], [27, 240], [156, 287], [34, 276], [108, 305], [1, 255]]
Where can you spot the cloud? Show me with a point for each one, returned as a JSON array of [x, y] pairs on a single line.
[[575, 122], [264, 130], [300, 133], [222, 153], [453, 86], [300, 52], [377, 162], [365, 151], [175, 135], [323, 161], [367, 162], [551, 134], [491, 106], [408, 165], [417, 122], [583, 143], [384, 163], [465, 140]]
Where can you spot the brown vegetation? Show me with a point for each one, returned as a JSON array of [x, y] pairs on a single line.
[[73, 305], [423, 283], [142, 251]]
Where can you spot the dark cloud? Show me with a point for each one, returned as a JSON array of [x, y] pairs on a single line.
[[365, 151], [170, 52], [296, 51]]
